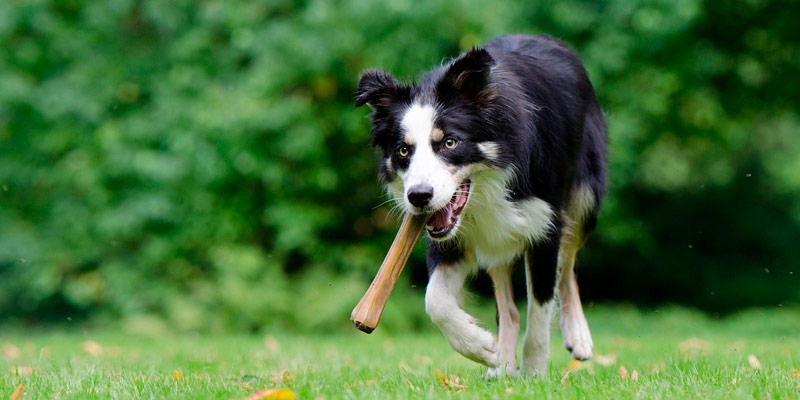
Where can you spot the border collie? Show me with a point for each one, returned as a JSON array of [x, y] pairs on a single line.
[[505, 148]]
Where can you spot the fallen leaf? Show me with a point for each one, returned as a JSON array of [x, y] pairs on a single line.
[[176, 374], [92, 348], [573, 365], [11, 352], [286, 376], [606, 360], [693, 343], [368, 382], [453, 383], [17, 392], [282, 377], [509, 390], [24, 370], [411, 385], [272, 343], [754, 361], [422, 359], [794, 374], [635, 375], [656, 368], [274, 394], [733, 382], [404, 366], [623, 372]]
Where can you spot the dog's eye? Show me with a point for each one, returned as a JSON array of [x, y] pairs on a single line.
[[450, 143], [403, 150]]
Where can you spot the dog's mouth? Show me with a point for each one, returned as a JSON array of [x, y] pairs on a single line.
[[443, 221]]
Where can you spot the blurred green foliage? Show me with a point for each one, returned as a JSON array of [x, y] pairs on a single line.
[[199, 165]]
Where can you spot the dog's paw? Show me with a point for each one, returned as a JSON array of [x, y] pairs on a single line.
[[477, 344], [500, 370], [577, 339]]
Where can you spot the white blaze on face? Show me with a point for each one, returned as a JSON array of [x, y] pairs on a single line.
[[425, 166]]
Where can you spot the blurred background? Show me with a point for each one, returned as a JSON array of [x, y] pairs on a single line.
[[199, 165]]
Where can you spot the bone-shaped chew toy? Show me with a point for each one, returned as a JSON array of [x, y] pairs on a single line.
[[368, 312]]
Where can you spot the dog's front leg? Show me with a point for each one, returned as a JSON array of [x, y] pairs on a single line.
[[541, 265], [442, 303]]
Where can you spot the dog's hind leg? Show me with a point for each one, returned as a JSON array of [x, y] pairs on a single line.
[[574, 328], [507, 322], [541, 264], [442, 303]]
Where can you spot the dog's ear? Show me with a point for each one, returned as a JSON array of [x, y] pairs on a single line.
[[378, 89], [469, 76]]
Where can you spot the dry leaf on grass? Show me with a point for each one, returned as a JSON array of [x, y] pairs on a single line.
[[509, 390], [606, 360], [453, 383], [623, 372], [424, 360], [635, 376], [753, 361], [656, 368], [692, 346], [10, 351], [17, 392], [282, 377], [573, 365], [272, 344], [92, 348], [273, 394], [411, 385], [367, 382], [23, 370], [404, 366], [794, 374]]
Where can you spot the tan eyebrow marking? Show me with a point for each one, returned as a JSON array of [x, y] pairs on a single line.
[[409, 139], [437, 134]]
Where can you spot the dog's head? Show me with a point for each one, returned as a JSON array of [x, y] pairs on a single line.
[[433, 136]]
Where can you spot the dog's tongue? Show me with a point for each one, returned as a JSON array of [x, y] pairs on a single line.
[[441, 218]]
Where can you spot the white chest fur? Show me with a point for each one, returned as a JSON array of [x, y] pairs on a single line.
[[497, 229]]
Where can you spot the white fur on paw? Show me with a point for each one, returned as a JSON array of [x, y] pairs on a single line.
[[473, 342], [534, 369], [484, 349], [577, 339], [496, 372]]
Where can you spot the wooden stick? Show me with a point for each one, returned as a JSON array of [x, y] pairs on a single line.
[[368, 312]]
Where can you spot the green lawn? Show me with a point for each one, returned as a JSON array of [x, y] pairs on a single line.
[[676, 354]]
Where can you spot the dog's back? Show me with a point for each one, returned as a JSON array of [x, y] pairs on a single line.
[[568, 156]]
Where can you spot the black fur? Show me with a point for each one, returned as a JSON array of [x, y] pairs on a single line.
[[543, 262]]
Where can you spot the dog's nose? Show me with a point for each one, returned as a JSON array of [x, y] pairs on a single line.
[[420, 195]]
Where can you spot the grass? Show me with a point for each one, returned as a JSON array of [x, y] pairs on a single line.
[[676, 353]]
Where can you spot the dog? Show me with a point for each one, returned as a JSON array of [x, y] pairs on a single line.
[[505, 148]]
